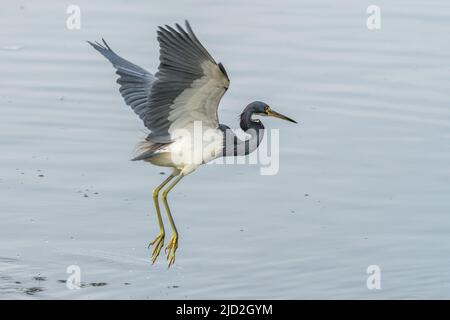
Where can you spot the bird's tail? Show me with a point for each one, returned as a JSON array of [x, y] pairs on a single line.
[[146, 149]]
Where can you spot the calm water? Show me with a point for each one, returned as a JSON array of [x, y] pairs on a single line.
[[363, 180]]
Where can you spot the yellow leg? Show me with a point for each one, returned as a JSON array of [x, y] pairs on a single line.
[[159, 240], [173, 243]]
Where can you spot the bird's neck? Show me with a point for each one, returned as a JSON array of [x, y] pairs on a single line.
[[233, 146], [248, 123], [255, 129]]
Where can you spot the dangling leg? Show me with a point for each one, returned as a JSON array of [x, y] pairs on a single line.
[[173, 243], [159, 240]]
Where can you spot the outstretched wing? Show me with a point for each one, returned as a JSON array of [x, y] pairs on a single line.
[[188, 86], [135, 82]]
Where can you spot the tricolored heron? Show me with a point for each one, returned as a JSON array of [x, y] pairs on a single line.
[[185, 91]]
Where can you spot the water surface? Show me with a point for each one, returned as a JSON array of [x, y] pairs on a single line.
[[363, 179]]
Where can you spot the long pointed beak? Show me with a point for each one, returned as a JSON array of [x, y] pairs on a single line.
[[279, 115]]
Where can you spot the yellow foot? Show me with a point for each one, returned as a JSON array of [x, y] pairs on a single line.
[[171, 248], [157, 245]]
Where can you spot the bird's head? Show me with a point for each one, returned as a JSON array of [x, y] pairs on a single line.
[[263, 109]]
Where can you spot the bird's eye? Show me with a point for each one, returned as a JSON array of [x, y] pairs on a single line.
[[266, 110]]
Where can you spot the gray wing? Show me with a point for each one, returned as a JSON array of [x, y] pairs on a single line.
[[188, 86], [135, 82]]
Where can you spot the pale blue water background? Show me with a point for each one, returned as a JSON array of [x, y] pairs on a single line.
[[371, 152]]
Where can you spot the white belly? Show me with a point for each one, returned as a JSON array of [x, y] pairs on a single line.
[[189, 151]]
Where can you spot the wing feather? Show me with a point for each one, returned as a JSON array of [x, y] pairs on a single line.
[[188, 87], [135, 82]]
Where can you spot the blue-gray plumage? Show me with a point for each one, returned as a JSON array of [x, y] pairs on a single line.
[[181, 97], [135, 82]]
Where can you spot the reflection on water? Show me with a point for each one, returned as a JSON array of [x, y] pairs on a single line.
[[363, 179]]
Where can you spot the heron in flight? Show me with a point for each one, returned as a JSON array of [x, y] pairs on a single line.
[[183, 95]]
